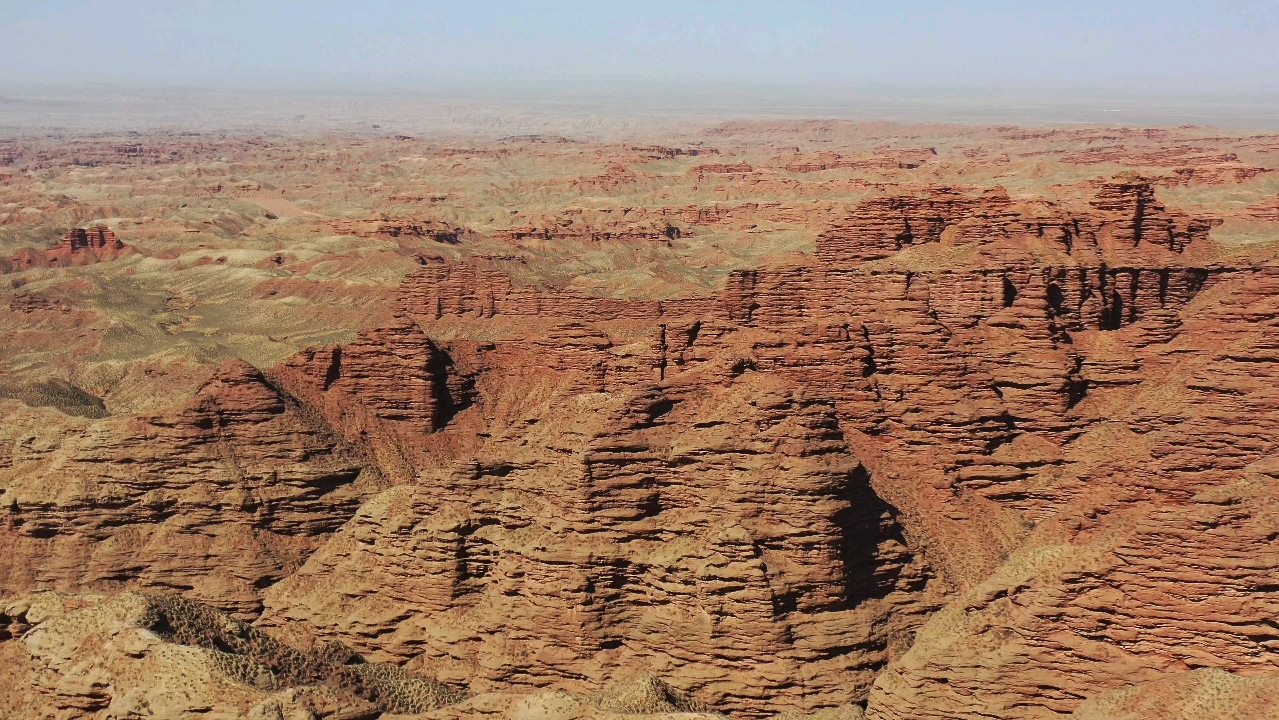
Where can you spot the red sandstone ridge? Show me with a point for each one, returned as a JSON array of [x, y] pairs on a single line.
[[79, 247], [384, 392], [571, 549], [976, 457], [721, 169], [1126, 217], [975, 394], [569, 230], [907, 160], [1228, 174], [218, 499]]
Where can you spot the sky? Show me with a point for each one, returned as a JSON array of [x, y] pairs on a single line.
[[1164, 46]]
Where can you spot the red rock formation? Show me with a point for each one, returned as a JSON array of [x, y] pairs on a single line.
[[79, 247], [660, 152], [397, 228], [384, 392], [1127, 216], [1268, 210], [907, 160], [721, 169], [98, 237], [1017, 411], [1062, 622], [567, 231], [1184, 155], [1231, 174], [976, 396], [1131, 214], [442, 289], [28, 303], [728, 515], [219, 499]]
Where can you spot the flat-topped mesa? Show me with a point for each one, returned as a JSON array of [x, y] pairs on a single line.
[[1127, 217], [1080, 296], [443, 288], [567, 231], [1131, 214], [79, 246], [393, 228], [882, 226], [1105, 271], [903, 159], [740, 168], [98, 237]]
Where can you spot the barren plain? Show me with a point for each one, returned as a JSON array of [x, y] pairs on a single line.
[[775, 418]]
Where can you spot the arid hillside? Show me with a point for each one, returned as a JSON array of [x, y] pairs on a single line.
[[775, 419]]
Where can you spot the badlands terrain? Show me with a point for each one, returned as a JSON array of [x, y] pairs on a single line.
[[768, 419]]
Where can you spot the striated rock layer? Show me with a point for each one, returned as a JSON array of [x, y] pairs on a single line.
[[219, 499], [977, 457], [714, 531], [1004, 373], [79, 246]]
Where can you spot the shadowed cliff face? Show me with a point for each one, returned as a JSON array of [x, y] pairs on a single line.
[[716, 530], [1013, 384], [973, 457]]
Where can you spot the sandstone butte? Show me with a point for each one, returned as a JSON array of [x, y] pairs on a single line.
[[79, 246], [973, 458]]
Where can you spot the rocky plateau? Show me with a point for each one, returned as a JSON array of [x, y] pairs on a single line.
[[786, 420]]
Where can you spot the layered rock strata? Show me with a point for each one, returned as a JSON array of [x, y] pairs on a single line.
[[1182, 469], [384, 392], [1015, 410], [977, 391], [219, 499], [712, 530], [80, 246], [398, 228]]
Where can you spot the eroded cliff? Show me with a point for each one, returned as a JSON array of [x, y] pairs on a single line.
[[940, 467]]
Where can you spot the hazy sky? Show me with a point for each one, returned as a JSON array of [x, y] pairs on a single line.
[[1160, 45]]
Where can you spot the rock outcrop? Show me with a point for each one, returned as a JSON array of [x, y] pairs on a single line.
[[1124, 215], [398, 229], [383, 392], [219, 499], [977, 389], [721, 169], [80, 246], [940, 467], [900, 160], [719, 534], [1178, 466]]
